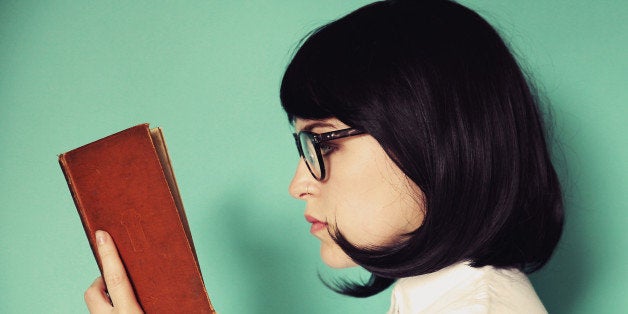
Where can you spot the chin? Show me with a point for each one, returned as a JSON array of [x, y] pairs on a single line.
[[334, 257]]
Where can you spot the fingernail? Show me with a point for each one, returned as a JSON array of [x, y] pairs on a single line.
[[100, 237]]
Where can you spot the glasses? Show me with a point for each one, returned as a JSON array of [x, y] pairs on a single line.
[[309, 146]]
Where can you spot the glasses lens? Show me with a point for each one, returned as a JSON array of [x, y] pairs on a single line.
[[309, 153]]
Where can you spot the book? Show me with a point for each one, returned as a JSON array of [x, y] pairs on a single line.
[[124, 184]]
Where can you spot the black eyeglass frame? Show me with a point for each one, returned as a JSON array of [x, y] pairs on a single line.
[[317, 139]]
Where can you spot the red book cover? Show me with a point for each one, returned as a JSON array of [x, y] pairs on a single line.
[[124, 184]]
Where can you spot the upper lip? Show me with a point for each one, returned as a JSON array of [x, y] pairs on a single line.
[[312, 220]]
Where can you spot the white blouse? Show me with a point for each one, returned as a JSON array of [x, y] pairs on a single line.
[[461, 288]]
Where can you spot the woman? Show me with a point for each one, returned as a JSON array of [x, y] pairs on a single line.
[[424, 161]]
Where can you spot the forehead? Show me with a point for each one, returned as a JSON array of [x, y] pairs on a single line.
[[308, 124]]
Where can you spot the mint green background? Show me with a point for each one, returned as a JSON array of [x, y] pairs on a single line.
[[208, 72]]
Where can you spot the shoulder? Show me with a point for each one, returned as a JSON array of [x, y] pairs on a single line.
[[461, 288]]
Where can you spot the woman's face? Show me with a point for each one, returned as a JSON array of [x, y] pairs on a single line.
[[365, 195]]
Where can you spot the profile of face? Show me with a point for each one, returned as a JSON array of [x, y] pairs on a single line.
[[364, 194]]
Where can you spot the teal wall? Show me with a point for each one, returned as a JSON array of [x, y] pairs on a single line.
[[208, 72]]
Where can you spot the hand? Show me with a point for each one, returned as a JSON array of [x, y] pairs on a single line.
[[121, 298]]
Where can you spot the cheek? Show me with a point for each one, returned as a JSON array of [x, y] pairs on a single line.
[[378, 212], [375, 204], [376, 221]]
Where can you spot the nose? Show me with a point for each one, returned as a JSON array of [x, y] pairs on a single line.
[[302, 184]]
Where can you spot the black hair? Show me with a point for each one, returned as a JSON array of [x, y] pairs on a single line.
[[441, 92]]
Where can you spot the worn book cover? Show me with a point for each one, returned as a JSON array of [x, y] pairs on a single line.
[[124, 184]]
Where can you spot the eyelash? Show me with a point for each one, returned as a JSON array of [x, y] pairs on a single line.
[[327, 148]]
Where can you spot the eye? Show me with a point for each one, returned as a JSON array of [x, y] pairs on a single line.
[[326, 148]]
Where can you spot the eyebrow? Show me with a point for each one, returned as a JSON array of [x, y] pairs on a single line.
[[308, 127]]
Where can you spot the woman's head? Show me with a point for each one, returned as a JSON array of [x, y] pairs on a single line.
[[364, 194], [435, 87]]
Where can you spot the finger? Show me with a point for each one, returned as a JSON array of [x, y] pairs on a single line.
[[96, 298], [116, 280]]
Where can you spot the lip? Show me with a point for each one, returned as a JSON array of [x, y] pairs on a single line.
[[317, 225]]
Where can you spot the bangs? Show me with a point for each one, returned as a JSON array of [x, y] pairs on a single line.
[[304, 93], [330, 74]]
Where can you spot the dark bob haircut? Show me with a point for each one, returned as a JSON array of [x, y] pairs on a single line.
[[440, 91]]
